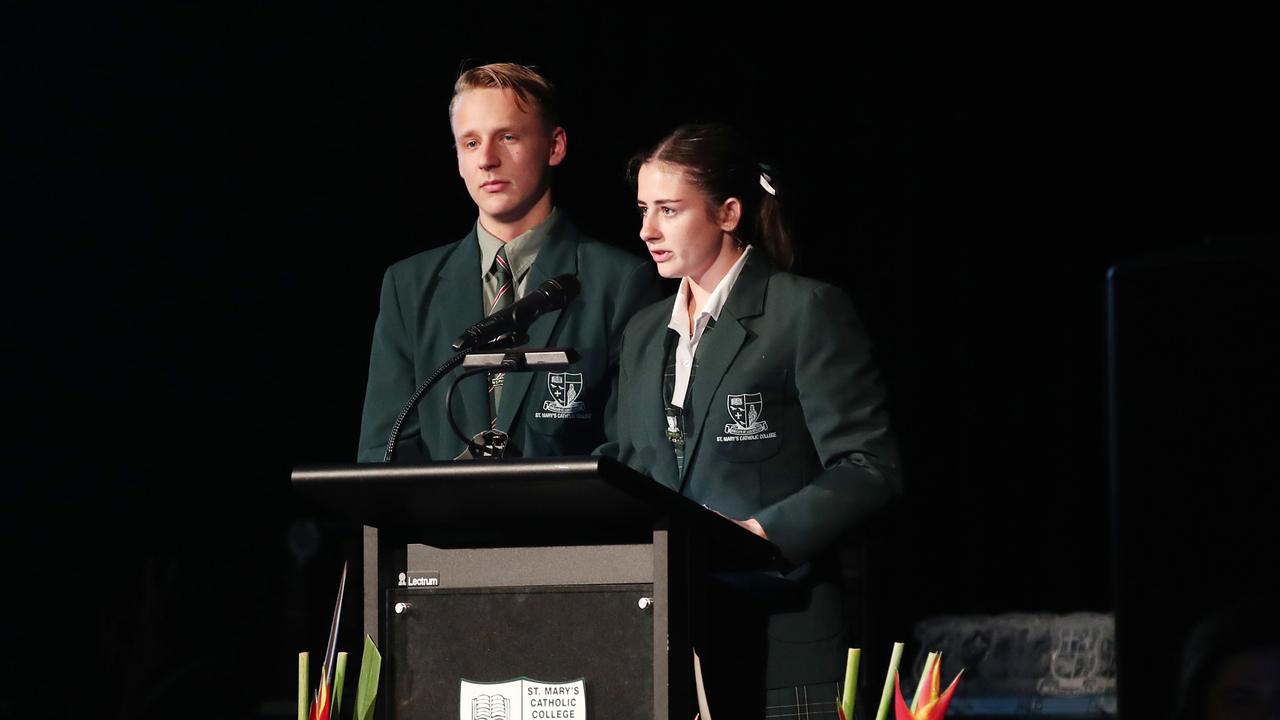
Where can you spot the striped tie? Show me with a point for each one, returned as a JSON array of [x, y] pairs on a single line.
[[501, 300]]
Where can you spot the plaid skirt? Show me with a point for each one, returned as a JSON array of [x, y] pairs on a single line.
[[803, 702]]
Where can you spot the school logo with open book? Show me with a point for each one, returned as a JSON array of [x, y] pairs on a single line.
[[490, 707], [745, 410], [565, 389], [521, 699]]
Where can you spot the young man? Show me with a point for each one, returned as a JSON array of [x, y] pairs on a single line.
[[505, 128]]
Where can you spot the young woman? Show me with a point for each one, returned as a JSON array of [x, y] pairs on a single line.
[[753, 392]]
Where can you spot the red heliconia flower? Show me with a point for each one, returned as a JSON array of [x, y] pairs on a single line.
[[930, 707]]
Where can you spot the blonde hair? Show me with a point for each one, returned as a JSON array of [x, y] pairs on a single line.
[[531, 89]]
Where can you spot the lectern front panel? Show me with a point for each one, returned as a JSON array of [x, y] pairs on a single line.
[[602, 634], [511, 567]]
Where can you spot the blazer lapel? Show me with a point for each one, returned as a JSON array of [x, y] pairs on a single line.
[[719, 347], [559, 256], [649, 418], [459, 305]]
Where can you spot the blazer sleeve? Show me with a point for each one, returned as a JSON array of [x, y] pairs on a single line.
[[843, 404], [639, 289], [391, 378], [616, 425]]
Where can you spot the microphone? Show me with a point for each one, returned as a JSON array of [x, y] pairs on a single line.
[[553, 294]]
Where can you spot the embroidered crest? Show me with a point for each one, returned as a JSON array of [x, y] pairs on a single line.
[[565, 389], [745, 410]]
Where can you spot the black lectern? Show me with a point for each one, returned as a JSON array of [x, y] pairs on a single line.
[[554, 569]]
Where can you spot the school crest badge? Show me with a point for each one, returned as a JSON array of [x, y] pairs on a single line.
[[565, 389], [745, 411]]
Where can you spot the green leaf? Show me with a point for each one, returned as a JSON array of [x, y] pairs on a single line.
[[367, 689], [339, 675]]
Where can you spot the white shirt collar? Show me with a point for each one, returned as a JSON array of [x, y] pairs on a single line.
[[712, 307]]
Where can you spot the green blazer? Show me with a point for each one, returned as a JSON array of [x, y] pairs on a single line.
[[786, 425], [430, 298]]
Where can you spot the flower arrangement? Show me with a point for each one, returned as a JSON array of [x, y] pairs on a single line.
[[326, 702], [928, 702]]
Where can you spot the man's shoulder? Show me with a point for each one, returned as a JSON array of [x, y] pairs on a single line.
[[425, 262], [651, 316], [599, 253], [591, 250]]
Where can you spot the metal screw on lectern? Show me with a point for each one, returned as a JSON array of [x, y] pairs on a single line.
[[401, 608], [645, 602]]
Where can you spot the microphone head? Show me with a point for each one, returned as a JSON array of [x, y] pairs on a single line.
[[561, 288], [552, 294]]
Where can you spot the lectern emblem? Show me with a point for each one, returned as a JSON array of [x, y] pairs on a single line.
[[490, 707], [522, 699], [745, 411]]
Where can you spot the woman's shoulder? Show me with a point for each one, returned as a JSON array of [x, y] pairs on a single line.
[[787, 289], [792, 282]]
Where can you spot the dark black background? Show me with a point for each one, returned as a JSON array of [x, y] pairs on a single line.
[[200, 200]]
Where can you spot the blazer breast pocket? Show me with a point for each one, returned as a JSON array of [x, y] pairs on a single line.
[[563, 402], [749, 426]]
